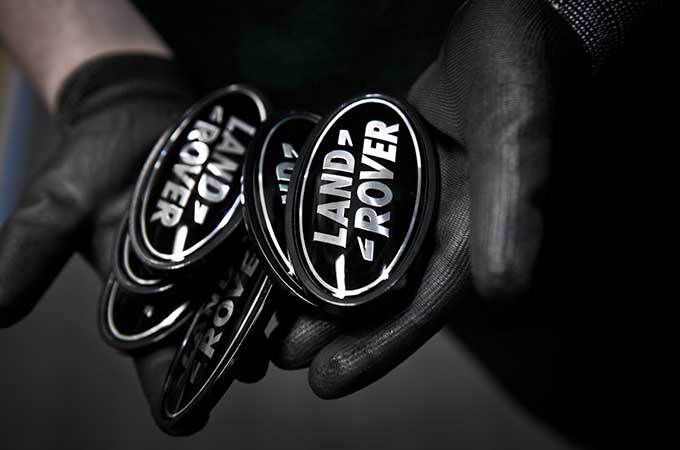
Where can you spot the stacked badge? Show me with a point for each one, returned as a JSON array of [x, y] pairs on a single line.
[[336, 214], [361, 203], [266, 184], [185, 209]]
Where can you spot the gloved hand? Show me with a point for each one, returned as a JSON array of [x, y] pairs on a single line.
[[110, 113], [504, 82]]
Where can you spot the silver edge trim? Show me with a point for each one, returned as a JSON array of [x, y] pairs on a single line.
[[128, 269], [178, 257], [260, 183], [235, 344], [165, 323]]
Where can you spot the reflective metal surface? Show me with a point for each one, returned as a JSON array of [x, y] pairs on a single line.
[[133, 275], [362, 202], [186, 202], [205, 364], [129, 321], [266, 178]]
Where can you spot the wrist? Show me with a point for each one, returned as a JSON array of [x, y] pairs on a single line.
[[52, 85], [109, 78]]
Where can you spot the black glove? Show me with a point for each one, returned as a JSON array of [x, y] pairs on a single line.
[[110, 113], [506, 76]]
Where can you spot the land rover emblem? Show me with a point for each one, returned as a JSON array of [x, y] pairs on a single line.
[[205, 364], [186, 201], [266, 176], [362, 201], [130, 273], [129, 321]]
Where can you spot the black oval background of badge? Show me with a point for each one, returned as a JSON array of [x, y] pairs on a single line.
[[243, 110], [408, 209], [131, 273], [266, 176], [129, 321], [204, 367]]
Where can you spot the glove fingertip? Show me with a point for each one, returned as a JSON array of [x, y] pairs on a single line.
[[284, 352], [12, 311], [501, 282], [329, 378], [30, 259], [293, 345]]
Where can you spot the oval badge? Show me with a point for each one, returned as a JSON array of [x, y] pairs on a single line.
[[132, 275], [205, 364], [266, 176], [186, 201], [362, 201], [129, 321]]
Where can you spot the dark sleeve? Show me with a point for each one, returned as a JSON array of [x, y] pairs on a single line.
[[603, 25]]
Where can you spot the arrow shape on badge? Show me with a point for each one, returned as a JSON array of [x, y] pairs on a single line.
[[180, 239], [340, 276]]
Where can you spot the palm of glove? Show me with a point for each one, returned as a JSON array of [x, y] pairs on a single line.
[[75, 201], [345, 356], [492, 101]]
